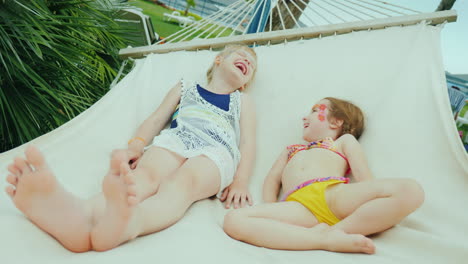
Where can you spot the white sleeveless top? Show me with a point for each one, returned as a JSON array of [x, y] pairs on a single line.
[[205, 129]]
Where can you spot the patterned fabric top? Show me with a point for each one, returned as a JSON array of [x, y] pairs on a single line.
[[203, 128], [212, 125], [327, 143], [220, 100]]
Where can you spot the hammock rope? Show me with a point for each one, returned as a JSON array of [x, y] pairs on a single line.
[[316, 18]]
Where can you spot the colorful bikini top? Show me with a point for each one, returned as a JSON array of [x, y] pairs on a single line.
[[327, 143]]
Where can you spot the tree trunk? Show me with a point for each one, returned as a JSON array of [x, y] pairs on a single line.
[[287, 19]]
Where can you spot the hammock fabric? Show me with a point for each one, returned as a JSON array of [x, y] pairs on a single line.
[[395, 75]]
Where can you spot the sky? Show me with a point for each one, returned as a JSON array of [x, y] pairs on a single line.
[[454, 36]]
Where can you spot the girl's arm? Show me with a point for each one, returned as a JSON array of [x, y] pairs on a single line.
[[357, 160], [238, 192], [156, 121], [272, 184]]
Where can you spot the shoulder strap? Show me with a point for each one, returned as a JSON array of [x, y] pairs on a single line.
[[187, 86]]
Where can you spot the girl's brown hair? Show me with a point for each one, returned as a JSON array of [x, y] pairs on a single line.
[[352, 116], [228, 50]]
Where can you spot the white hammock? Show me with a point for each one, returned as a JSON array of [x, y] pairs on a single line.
[[395, 75]]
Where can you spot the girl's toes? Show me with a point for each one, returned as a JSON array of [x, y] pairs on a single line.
[[12, 168], [22, 165], [12, 179], [124, 169], [10, 191], [132, 200], [35, 157], [131, 190], [128, 179]]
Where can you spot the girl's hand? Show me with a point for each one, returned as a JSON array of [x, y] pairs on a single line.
[[133, 158], [236, 193]]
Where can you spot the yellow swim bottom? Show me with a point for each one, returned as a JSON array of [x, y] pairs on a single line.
[[312, 197]]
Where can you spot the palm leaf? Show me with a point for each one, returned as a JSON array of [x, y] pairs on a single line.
[[59, 57]]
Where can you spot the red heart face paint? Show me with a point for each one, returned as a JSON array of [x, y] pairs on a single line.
[[321, 111]]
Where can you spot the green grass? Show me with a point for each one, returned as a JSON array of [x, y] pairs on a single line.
[[464, 110], [463, 127], [165, 28]]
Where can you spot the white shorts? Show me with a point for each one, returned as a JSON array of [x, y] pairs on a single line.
[[219, 154]]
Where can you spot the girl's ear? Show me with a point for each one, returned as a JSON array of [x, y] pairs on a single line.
[[336, 123]]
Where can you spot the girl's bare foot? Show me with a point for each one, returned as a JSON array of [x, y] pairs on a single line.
[[114, 226], [338, 241], [36, 192], [144, 185]]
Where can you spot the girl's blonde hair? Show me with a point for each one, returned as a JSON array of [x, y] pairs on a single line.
[[352, 116], [228, 50]]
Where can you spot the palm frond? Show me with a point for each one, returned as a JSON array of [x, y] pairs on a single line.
[[59, 57]]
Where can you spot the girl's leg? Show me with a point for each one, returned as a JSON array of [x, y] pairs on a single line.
[[196, 179], [290, 226], [123, 189], [155, 165], [36, 192], [373, 206]]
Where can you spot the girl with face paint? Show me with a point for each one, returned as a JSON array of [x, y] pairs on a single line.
[[319, 208]]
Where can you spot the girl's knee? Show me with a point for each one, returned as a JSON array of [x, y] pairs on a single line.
[[410, 193], [233, 223], [417, 193]]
